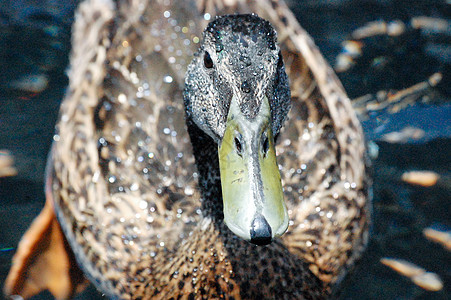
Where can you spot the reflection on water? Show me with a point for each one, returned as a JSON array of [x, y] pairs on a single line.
[[34, 47]]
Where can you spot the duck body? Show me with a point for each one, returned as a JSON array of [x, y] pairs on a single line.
[[137, 192]]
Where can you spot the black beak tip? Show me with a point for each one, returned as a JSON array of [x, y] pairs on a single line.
[[261, 233]]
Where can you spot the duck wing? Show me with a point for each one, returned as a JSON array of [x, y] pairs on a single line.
[[121, 167], [321, 156], [124, 184]]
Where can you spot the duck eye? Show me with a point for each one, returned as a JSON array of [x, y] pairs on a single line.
[[208, 62]]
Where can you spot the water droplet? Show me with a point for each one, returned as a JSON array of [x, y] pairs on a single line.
[[143, 204], [122, 98], [167, 79], [189, 191], [134, 186], [64, 118]]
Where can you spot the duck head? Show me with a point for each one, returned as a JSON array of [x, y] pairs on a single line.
[[237, 92]]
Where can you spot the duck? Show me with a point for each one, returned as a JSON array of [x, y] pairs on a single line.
[[228, 164]]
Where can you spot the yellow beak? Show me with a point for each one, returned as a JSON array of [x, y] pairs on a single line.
[[252, 194]]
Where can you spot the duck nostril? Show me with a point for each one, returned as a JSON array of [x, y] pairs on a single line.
[[261, 233], [238, 145], [265, 145]]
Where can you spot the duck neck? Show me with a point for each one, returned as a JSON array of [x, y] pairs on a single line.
[[205, 151]]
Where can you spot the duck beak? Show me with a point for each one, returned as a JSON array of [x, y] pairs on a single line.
[[251, 187]]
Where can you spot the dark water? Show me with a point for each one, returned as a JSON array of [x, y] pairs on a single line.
[[35, 40]]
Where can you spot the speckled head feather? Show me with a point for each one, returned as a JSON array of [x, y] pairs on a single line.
[[239, 55]]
